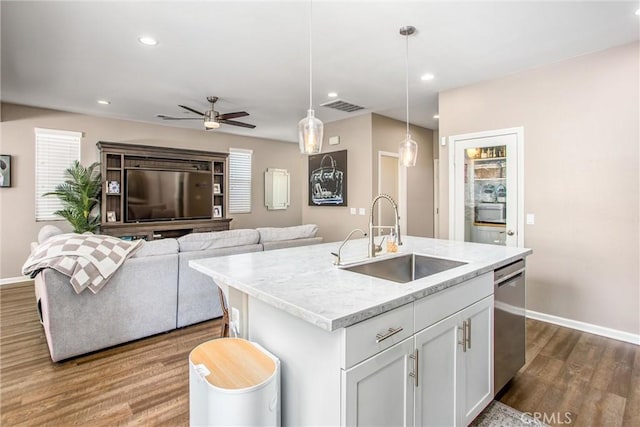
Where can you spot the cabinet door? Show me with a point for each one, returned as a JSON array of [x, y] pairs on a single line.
[[475, 386], [379, 391], [436, 392]]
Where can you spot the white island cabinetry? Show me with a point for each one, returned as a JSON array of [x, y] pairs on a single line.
[[359, 350], [456, 372], [388, 375], [380, 390]]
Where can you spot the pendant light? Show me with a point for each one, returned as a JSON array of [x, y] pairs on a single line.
[[408, 151], [310, 128]]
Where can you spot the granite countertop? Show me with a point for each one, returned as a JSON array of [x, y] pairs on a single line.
[[303, 281]]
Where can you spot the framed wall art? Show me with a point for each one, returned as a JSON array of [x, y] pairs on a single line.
[[5, 170], [328, 179]]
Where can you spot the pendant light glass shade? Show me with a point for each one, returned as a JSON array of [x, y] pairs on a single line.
[[408, 152], [310, 130]]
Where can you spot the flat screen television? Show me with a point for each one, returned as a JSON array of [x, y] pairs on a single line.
[[166, 195]]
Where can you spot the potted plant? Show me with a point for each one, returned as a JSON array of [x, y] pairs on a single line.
[[80, 196]]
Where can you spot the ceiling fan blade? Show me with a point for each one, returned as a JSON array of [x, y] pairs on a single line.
[[163, 117], [232, 115], [234, 123], [191, 109]]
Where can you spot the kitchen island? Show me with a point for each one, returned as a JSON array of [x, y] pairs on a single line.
[[357, 349]]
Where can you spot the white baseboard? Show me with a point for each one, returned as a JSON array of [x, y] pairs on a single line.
[[586, 327], [12, 280]]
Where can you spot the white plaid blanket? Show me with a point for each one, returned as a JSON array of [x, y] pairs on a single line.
[[88, 259]]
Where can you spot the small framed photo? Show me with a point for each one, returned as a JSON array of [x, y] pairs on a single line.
[[217, 211], [111, 216], [113, 187], [216, 189], [5, 170]]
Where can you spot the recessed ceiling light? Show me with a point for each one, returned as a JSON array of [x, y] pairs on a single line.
[[104, 102], [436, 116], [146, 40], [427, 77], [332, 94]]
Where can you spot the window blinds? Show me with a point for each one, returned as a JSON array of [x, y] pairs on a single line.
[[56, 151], [240, 180]]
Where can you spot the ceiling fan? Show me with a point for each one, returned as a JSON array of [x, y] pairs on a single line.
[[212, 119]]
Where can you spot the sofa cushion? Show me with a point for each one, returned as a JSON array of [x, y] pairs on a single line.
[[217, 239], [281, 244], [48, 231], [157, 247], [275, 234]]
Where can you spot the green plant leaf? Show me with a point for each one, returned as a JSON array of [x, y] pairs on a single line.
[[80, 196]]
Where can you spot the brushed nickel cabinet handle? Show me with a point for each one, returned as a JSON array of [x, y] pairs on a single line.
[[467, 334], [390, 332], [416, 365], [463, 340]]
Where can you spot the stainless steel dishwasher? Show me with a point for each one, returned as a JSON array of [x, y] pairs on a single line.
[[509, 323]]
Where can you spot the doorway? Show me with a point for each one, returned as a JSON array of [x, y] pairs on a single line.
[[392, 180], [486, 176]]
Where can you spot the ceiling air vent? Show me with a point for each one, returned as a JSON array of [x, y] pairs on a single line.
[[341, 105]]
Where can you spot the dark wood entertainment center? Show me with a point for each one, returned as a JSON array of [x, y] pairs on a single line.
[[117, 158]]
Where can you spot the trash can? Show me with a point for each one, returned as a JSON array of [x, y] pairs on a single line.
[[233, 382]]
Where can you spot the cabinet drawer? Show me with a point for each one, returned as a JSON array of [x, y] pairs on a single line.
[[371, 336], [434, 308]]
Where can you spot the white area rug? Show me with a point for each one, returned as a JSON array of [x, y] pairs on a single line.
[[500, 415]]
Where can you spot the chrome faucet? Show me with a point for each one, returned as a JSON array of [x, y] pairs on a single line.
[[373, 248], [337, 255]]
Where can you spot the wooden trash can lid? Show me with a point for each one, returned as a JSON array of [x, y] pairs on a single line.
[[233, 363]]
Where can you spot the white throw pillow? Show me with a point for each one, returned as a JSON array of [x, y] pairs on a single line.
[[48, 231]]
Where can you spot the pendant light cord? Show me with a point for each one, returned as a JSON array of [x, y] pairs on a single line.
[[407, 78], [310, 55]]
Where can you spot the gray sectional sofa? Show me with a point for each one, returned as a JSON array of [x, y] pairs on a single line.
[[153, 291]]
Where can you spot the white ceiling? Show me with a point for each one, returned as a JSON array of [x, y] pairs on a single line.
[[254, 55]]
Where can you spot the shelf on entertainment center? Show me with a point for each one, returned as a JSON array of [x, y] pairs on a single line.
[[160, 229], [119, 161]]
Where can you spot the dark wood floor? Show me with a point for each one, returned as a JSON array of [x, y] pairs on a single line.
[[571, 378], [145, 382], [575, 378]]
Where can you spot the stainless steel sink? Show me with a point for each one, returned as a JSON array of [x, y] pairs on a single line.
[[405, 268]]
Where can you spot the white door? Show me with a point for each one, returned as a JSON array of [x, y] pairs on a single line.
[[392, 180], [436, 394], [379, 391], [486, 177], [475, 389]]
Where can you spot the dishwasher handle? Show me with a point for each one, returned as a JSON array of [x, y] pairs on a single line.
[[508, 271], [503, 280]]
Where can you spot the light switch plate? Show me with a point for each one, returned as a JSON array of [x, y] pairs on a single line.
[[531, 219], [353, 211], [362, 211], [334, 140]]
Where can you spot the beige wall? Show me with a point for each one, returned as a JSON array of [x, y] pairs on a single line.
[[335, 221], [362, 137], [581, 137], [386, 136], [17, 223]]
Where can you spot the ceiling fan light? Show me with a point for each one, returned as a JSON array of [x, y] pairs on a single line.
[[408, 152], [210, 120], [310, 130]]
